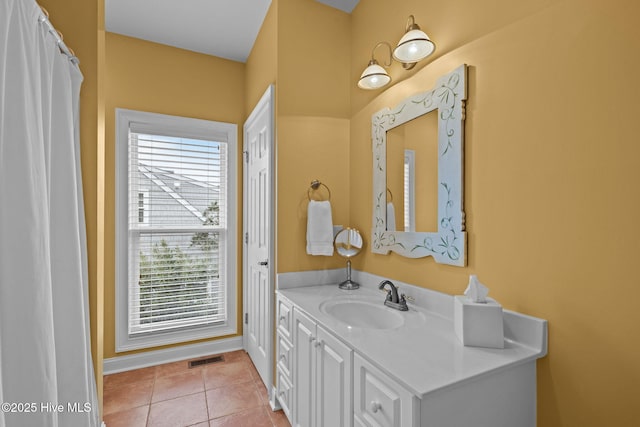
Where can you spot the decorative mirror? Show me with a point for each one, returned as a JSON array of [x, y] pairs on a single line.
[[348, 243], [397, 233]]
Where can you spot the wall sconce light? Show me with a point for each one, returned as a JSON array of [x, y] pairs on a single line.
[[374, 76], [414, 46]]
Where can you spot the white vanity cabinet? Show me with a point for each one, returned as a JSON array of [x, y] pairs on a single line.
[[322, 368], [331, 374]]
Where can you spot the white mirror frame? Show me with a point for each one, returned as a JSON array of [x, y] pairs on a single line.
[[448, 244]]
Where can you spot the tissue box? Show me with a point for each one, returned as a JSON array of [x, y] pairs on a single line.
[[478, 324]]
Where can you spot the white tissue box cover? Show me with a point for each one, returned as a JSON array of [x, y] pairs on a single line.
[[478, 324]]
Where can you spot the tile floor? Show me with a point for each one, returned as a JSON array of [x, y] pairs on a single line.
[[223, 394]]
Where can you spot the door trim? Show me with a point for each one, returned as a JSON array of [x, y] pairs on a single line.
[[266, 101]]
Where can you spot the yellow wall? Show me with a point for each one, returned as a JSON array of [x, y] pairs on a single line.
[[146, 76], [312, 123], [551, 169], [262, 66], [313, 59], [309, 148]]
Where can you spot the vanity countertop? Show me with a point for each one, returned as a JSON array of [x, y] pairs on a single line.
[[424, 354]]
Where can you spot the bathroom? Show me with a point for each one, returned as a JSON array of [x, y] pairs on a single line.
[[549, 154]]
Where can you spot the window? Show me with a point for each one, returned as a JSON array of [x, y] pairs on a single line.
[[143, 211], [176, 233]]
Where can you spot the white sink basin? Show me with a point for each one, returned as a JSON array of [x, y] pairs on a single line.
[[363, 314]]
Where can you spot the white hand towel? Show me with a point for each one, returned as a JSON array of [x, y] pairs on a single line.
[[319, 228], [391, 217]]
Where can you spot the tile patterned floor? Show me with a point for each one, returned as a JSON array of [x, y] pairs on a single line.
[[223, 394]]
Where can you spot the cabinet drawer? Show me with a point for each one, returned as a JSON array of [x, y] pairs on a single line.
[[284, 393], [378, 400], [285, 357], [284, 319]]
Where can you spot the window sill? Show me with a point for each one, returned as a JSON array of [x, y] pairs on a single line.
[[126, 343]]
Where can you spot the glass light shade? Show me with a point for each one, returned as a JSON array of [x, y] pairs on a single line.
[[373, 77], [413, 46]]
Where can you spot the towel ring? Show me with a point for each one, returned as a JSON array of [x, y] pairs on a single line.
[[315, 184], [390, 199]]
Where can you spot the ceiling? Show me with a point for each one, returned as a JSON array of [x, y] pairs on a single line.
[[223, 28]]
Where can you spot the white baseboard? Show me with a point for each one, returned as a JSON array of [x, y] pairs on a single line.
[[157, 357], [274, 403]]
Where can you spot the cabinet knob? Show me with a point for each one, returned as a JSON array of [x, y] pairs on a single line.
[[319, 343], [282, 318], [312, 339], [375, 406]]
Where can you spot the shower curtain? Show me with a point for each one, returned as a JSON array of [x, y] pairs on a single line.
[[46, 372]]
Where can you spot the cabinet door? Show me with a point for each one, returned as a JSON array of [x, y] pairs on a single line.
[[334, 406], [379, 401], [304, 358]]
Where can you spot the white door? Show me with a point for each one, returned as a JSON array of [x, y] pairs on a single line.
[[258, 288]]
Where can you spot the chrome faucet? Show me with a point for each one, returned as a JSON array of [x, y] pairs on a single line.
[[393, 300]]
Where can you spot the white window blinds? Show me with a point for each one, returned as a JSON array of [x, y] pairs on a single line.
[[409, 191], [177, 228]]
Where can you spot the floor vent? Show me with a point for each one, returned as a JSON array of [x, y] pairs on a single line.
[[207, 361]]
